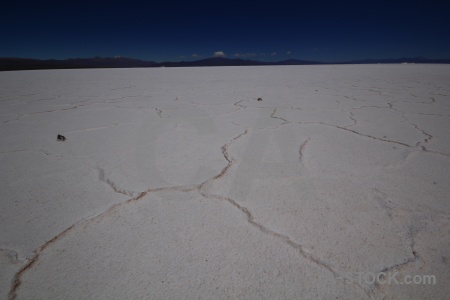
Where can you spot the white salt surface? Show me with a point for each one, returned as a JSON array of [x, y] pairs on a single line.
[[178, 183]]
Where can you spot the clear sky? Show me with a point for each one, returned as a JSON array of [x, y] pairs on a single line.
[[175, 30]]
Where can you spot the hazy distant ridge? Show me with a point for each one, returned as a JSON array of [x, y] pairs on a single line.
[[10, 64]]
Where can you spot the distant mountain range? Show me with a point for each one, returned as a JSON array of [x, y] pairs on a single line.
[[10, 64]]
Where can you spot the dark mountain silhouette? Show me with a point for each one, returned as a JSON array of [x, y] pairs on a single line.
[[213, 62], [9, 64], [294, 62], [221, 61], [108, 62]]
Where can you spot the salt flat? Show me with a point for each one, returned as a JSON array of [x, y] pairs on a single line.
[[178, 183]]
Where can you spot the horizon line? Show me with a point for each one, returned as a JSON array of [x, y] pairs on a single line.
[[225, 57]]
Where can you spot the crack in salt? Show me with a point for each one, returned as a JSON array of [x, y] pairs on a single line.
[[286, 239], [352, 116], [385, 202], [21, 116], [17, 279], [272, 115], [251, 219], [415, 256], [102, 178], [16, 282], [240, 105], [338, 127], [159, 112], [369, 136], [429, 136], [423, 148], [301, 151]]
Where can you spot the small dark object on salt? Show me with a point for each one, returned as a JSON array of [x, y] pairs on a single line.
[[61, 138], [259, 99]]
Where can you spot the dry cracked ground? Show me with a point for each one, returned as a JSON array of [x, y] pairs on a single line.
[[177, 183]]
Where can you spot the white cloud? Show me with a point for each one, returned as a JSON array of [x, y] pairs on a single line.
[[273, 54], [288, 52], [196, 55], [219, 54]]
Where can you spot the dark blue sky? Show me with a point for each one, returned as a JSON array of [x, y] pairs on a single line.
[[262, 30]]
